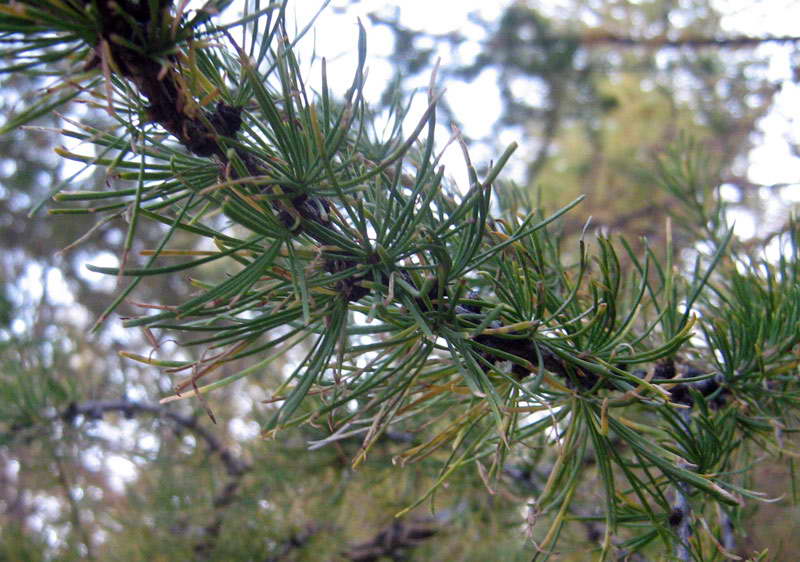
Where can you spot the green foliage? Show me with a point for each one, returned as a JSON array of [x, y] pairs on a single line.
[[31, 386], [405, 303]]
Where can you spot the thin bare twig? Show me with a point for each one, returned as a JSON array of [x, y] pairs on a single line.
[[235, 467], [735, 42]]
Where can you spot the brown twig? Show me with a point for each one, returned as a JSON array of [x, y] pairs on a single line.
[[74, 508], [235, 467], [399, 536]]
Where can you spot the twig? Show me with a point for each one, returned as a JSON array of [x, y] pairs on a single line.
[[297, 539], [74, 508], [735, 42], [727, 531], [97, 408], [681, 515], [233, 466], [398, 536]]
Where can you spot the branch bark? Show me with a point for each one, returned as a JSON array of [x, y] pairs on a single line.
[[395, 538]]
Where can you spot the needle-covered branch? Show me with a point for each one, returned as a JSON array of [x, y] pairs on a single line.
[[407, 303]]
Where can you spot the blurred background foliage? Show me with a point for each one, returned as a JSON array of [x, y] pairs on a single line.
[[91, 467]]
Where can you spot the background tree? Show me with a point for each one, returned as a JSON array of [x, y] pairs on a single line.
[[478, 324], [597, 92]]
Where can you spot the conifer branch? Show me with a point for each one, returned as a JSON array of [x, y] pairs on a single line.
[[468, 314]]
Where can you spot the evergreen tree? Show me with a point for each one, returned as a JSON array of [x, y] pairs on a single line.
[[609, 388]]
